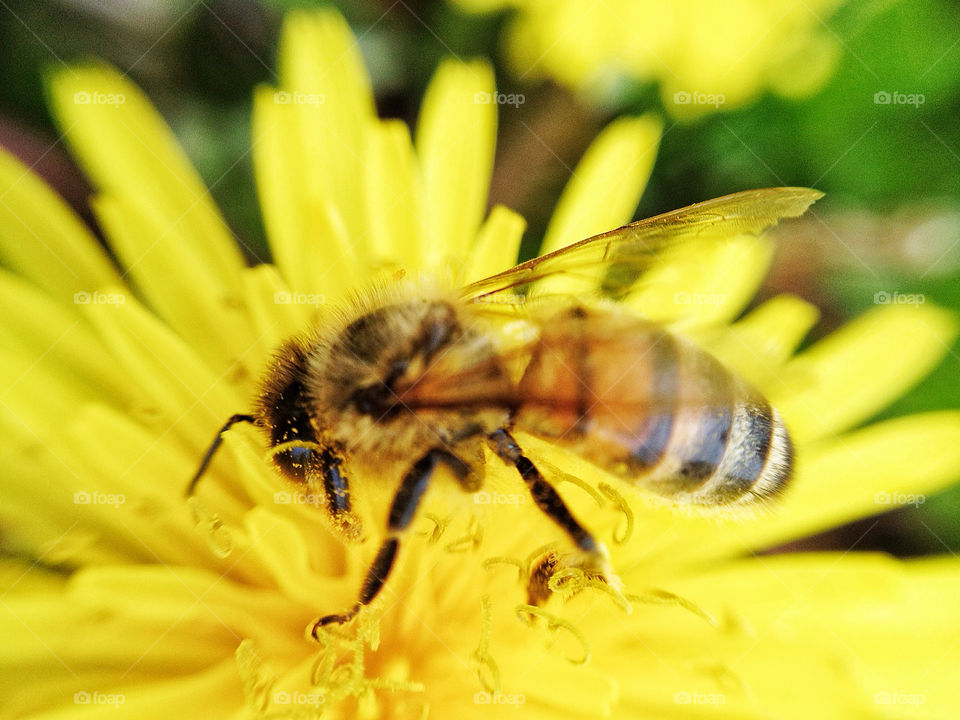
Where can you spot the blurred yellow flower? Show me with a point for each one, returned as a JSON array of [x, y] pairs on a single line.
[[706, 56], [116, 603]]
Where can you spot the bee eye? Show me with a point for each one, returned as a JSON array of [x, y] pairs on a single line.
[[373, 399]]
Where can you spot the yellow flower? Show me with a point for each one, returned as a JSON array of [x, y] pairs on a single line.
[[705, 56], [119, 597]]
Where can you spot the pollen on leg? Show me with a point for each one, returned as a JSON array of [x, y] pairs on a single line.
[[568, 573]]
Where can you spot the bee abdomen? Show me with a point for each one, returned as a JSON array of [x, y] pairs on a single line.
[[756, 462], [655, 409], [727, 445]]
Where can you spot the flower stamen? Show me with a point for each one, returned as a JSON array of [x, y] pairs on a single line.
[[656, 596], [554, 625], [623, 507], [481, 656]]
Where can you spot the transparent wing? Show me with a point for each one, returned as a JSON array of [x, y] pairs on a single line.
[[622, 255]]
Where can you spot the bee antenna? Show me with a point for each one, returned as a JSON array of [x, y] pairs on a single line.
[[234, 419]]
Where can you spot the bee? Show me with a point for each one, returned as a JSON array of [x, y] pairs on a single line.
[[419, 377]]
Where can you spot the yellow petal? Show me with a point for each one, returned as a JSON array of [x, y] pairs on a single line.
[[757, 346], [869, 471], [307, 237], [172, 380], [498, 244], [126, 149], [838, 618], [606, 185], [44, 240], [456, 133], [173, 280], [603, 192], [703, 283], [324, 84], [164, 625], [860, 368], [395, 197], [275, 312], [54, 341]]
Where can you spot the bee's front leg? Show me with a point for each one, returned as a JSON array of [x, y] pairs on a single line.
[[404, 507]]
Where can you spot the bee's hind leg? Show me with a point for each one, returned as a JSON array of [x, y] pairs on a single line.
[[593, 556], [404, 507]]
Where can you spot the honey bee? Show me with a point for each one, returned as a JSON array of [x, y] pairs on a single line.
[[418, 376]]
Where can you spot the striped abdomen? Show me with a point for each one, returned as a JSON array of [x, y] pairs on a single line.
[[653, 408]]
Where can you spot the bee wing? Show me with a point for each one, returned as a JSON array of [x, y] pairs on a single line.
[[625, 253]]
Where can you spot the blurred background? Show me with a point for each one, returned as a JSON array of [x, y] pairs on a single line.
[[858, 99]]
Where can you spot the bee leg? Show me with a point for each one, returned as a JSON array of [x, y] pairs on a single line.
[[214, 446], [337, 490], [544, 495], [594, 558], [402, 511]]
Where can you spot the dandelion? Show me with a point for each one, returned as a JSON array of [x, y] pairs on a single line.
[[121, 598], [704, 56]]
